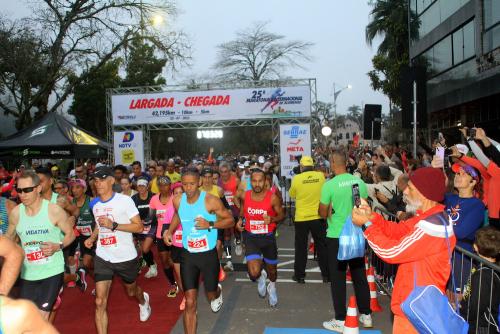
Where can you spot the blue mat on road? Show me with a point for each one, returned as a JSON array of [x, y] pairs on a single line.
[[274, 330]]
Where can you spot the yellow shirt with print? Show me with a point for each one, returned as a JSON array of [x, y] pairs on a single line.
[[306, 189], [174, 177], [154, 186]]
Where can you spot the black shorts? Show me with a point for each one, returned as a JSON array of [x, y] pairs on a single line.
[[260, 247], [70, 250], [195, 264], [42, 292], [84, 250], [220, 235], [150, 234], [175, 254], [162, 247], [104, 270]]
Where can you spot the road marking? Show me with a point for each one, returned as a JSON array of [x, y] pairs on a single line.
[[286, 249], [282, 280], [309, 257], [312, 270]]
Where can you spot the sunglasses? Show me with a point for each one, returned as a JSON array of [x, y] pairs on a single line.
[[26, 190]]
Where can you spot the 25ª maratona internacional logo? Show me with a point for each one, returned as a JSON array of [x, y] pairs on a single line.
[[128, 137]]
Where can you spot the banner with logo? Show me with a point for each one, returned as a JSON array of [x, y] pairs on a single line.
[[211, 105], [295, 142], [129, 147]]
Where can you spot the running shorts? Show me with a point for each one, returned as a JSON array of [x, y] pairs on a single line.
[[175, 254], [260, 247], [195, 264], [127, 271], [42, 292]]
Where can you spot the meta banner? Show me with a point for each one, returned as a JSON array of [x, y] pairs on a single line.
[[295, 142], [211, 105], [129, 147]]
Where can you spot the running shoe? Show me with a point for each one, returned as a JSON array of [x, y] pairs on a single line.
[[172, 293], [216, 304], [272, 295], [222, 274], [152, 271], [261, 285], [366, 320], [229, 266], [182, 306], [81, 279], [145, 310], [334, 325]]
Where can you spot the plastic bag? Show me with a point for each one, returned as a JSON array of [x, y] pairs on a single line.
[[351, 241]]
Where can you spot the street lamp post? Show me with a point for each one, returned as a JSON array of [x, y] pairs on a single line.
[[335, 95]]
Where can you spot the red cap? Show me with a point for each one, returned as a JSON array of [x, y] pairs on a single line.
[[430, 182]]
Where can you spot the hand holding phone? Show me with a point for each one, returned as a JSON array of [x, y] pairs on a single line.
[[356, 197]]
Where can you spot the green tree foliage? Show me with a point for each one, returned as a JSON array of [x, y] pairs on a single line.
[[389, 20], [143, 67], [89, 100]]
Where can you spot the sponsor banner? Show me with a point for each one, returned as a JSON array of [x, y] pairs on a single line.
[[295, 142], [129, 147], [211, 105]]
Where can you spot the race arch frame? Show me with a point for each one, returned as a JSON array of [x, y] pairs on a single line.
[[274, 123]]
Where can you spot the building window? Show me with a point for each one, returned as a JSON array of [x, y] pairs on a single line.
[[347, 135], [340, 135], [433, 12], [464, 43], [491, 13]]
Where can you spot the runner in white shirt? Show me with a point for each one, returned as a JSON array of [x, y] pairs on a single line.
[[116, 219]]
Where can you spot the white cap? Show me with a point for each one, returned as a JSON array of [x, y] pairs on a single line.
[[142, 182], [241, 166], [99, 164], [261, 159], [462, 149], [247, 163]]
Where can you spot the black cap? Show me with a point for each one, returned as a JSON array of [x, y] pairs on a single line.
[[206, 171], [103, 172]]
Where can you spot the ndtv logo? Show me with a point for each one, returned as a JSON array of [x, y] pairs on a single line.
[[128, 137], [256, 211]]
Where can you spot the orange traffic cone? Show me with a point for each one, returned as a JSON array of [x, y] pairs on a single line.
[[351, 325], [348, 277], [374, 305]]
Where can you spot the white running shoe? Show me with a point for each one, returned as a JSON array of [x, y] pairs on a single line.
[[366, 320], [216, 304], [145, 310], [261, 285], [229, 266], [334, 325], [272, 294], [152, 271]]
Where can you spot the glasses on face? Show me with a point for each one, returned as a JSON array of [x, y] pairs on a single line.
[[26, 190]]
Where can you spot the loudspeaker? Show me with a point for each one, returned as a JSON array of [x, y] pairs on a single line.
[[371, 112], [407, 76]]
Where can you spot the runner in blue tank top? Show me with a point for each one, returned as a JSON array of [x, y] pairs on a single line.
[[200, 215]]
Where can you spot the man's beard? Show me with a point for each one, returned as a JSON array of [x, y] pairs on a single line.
[[411, 205]]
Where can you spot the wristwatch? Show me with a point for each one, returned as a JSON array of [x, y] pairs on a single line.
[[61, 245], [211, 225], [365, 226], [115, 225]]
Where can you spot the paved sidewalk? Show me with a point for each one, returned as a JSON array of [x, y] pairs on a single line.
[[301, 306]]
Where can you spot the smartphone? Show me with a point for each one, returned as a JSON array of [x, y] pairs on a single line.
[[440, 152], [356, 198], [472, 132]]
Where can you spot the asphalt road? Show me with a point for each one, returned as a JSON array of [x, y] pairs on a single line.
[[300, 306]]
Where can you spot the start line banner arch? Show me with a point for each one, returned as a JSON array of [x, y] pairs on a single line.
[[220, 105]]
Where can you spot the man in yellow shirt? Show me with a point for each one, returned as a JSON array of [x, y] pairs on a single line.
[[159, 171], [306, 190], [171, 173]]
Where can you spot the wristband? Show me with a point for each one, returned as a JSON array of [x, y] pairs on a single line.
[[211, 223], [365, 226]]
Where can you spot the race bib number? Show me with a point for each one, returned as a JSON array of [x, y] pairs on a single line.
[[197, 245], [230, 199], [34, 255], [108, 241], [258, 227], [178, 236], [146, 230], [160, 214], [84, 230]]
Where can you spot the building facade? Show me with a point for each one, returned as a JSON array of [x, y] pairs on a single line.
[[459, 43]]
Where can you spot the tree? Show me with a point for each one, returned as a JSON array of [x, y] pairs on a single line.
[[354, 114], [143, 68], [75, 38], [89, 100], [257, 54], [389, 20]]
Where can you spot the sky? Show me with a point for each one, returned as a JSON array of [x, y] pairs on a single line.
[[336, 27]]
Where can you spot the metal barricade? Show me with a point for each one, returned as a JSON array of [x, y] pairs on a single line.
[[478, 290], [384, 272]]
